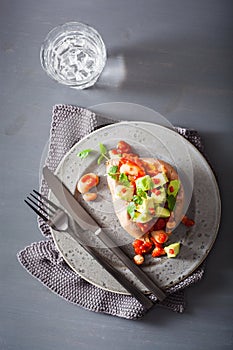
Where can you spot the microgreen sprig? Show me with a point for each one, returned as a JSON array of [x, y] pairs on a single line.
[[131, 209], [113, 172], [83, 154], [123, 179], [103, 152]]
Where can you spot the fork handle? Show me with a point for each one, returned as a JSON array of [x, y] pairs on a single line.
[[139, 273], [136, 292]]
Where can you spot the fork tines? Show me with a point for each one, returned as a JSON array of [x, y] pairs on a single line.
[[40, 206]]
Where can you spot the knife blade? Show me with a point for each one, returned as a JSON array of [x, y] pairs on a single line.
[[86, 222]]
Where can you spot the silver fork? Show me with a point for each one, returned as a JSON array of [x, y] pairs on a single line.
[[58, 220]]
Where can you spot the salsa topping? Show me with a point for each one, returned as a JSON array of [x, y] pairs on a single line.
[[151, 198]]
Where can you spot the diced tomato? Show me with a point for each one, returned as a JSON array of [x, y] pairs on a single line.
[[158, 251], [187, 222], [141, 247], [146, 247], [137, 244]]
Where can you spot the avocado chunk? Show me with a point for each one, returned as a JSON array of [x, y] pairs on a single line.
[[146, 206], [162, 212], [173, 187], [159, 180], [142, 217], [144, 183], [124, 192], [158, 195], [172, 250]]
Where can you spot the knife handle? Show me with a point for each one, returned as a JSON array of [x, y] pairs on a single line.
[[136, 292], [140, 274]]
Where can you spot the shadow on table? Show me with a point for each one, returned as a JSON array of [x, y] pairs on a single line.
[[149, 65]]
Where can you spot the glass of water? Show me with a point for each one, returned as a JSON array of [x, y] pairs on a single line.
[[73, 54]]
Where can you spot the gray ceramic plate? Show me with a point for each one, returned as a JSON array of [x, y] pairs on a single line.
[[202, 204]]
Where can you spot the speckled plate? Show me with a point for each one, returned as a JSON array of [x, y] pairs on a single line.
[[202, 204]]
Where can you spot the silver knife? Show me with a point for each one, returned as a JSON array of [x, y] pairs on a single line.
[[86, 222]]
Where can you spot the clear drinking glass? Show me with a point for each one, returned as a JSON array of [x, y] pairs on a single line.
[[73, 54]]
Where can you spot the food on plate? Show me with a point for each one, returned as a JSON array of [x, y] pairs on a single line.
[[172, 250], [85, 184], [87, 181], [187, 221], [148, 199], [146, 192], [138, 259], [90, 196]]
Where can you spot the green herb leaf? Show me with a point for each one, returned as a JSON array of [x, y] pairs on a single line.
[[137, 199], [113, 172], [83, 154], [123, 179], [141, 193], [131, 209], [101, 157], [103, 149], [113, 169], [171, 201]]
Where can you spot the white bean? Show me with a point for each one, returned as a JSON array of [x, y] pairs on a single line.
[[89, 196], [87, 181]]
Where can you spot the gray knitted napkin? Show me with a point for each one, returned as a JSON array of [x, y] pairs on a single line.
[[42, 259]]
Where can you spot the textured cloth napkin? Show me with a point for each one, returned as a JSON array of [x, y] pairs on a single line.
[[42, 259]]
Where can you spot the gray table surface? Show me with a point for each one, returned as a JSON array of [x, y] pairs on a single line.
[[177, 59]]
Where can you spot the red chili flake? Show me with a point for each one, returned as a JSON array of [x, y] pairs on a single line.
[[171, 251], [124, 190], [171, 189], [156, 192], [156, 181], [152, 211]]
